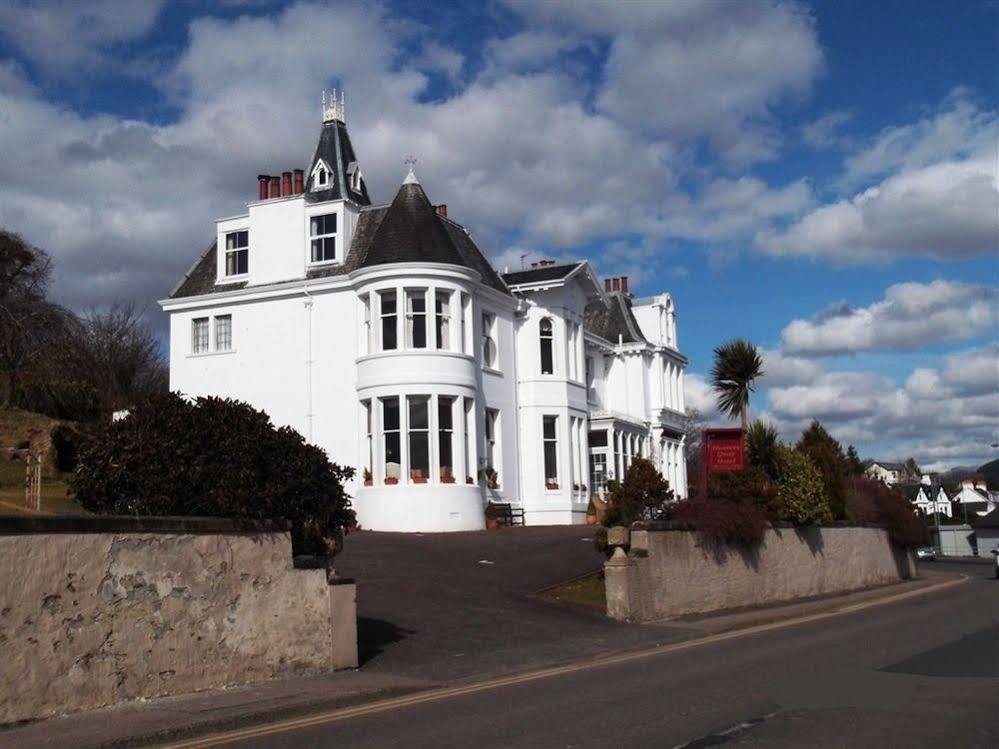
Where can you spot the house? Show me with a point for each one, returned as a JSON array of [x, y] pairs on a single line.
[[889, 473], [975, 498], [986, 533], [383, 335], [927, 498]]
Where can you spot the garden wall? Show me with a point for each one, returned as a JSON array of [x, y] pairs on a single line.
[[97, 610], [672, 573]]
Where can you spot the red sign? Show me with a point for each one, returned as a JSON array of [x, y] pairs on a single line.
[[721, 450]]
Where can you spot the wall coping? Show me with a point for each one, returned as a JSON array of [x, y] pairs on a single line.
[[41, 524], [672, 525]]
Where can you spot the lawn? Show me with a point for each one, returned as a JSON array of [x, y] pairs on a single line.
[[583, 591], [16, 427]]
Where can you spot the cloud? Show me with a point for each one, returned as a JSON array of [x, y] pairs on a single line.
[[911, 315], [824, 132], [63, 36], [937, 195], [780, 369]]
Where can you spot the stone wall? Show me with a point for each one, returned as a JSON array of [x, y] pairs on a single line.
[[94, 611], [671, 573]]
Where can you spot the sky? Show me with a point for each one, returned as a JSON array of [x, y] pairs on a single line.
[[819, 178]]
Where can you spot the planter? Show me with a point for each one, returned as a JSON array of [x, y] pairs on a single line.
[[391, 481], [591, 519], [367, 482], [469, 480], [575, 487], [551, 487], [421, 480], [492, 484], [492, 524], [447, 479], [618, 535]]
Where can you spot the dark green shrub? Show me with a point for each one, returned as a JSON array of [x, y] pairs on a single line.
[[752, 486], [800, 489], [641, 496], [66, 445], [827, 455], [213, 457], [763, 447]]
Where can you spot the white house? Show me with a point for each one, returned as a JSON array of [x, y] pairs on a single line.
[[889, 473], [928, 499], [383, 334], [975, 498]]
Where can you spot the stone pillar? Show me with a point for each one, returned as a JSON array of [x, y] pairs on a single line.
[[343, 623]]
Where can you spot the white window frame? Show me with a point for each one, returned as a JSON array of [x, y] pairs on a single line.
[[548, 338], [544, 451], [490, 426], [411, 319], [196, 338], [382, 315], [226, 251], [488, 323], [443, 320], [215, 329], [334, 235], [320, 167]]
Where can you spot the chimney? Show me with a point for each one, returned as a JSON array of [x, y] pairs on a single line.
[[624, 284], [275, 188], [299, 181], [263, 179], [535, 264], [615, 284], [442, 210], [286, 183], [607, 285], [980, 484], [970, 483]]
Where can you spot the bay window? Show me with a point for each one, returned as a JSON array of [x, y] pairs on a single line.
[[416, 319], [492, 456], [550, 442], [488, 342], [389, 311], [445, 438], [546, 335], [391, 439], [442, 318], [419, 438]]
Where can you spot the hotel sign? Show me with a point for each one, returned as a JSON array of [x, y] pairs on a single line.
[[721, 450]]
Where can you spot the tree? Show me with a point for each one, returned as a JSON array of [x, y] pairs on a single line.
[[693, 426], [214, 457], [854, 465], [737, 366], [827, 455], [801, 490], [641, 496], [30, 325], [763, 447], [912, 468]]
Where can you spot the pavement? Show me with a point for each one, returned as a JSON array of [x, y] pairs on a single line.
[[434, 610]]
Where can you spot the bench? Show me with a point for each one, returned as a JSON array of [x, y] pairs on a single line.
[[507, 514]]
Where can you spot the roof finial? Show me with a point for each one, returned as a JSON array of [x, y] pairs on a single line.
[[334, 110], [411, 177]]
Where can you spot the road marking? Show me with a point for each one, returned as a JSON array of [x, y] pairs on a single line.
[[444, 693]]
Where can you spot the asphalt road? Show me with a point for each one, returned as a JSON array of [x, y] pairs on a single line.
[[918, 672]]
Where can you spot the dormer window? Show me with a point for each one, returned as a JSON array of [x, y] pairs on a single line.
[[322, 176], [237, 253], [322, 234]]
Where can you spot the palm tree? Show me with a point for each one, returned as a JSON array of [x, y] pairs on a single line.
[[763, 447], [737, 365]]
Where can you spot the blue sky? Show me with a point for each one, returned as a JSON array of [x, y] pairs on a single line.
[[819, 178]]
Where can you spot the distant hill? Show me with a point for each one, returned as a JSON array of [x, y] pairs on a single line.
[[990, 471], [955, 475]]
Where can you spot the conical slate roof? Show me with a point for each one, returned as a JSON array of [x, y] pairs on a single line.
[[335, 150]]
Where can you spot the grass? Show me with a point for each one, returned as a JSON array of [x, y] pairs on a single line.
[[16, 426], [586, 591]]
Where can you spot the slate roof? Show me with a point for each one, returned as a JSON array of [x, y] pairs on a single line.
[[889, 466], [911, 491], [335, 149], [615, 319], [408, 230], [536, 275], [991, 520]]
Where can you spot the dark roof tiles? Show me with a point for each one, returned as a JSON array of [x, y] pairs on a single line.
[[537, 275]]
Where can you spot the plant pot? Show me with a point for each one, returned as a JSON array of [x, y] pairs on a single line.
[[421, 480], [367, 482], [391, 481], [591, 519], [492, 524], [575, 487], [447, 479], [469, 480], [492, 484], [551, 487]]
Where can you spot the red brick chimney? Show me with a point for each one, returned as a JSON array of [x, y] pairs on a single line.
[[615, 284], [263, 179], [285, 184], [607, 285], [299, 181], [275, 187], [442, 210], [624, 284]]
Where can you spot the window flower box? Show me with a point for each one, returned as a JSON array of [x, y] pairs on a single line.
[[447, 479], [575, 487], [551, 486], [419, 479], [469, 480], [391, 480], [492, 485]]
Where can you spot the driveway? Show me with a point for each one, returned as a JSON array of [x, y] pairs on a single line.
[[447, 606]]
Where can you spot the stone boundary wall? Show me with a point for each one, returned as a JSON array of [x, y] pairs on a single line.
[[673, 573], [97, 610]]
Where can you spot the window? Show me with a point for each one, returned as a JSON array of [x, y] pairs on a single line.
[[366, 346], [388, 313], [199, 335], [416, 319], [465, 309], [237, 253], [369, 444], [322, 177], [322, 233], [550, 439], [547, 346], [445, 437], [591, 392], [223, 333], [442, 318], [488, 344], [390, 433], [571, 354], [419, 438], [598, 438], [598, 473], [492, 458], [465, 436]]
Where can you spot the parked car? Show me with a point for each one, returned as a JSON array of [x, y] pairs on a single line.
[[995, 553], [928, 553]]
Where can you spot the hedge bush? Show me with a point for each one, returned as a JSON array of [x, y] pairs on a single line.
[[214, 457], [722, 521], [872, 502], [801, 490]]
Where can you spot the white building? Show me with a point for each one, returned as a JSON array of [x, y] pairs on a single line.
[[889, 473], [975, 498], [383, 335], [929, 499]]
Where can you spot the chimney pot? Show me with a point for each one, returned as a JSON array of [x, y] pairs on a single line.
[[262, 180], [615, 284], [285, 183], [624, 284], [442, 210], [299, 181], [275, 187], [607, 284]]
